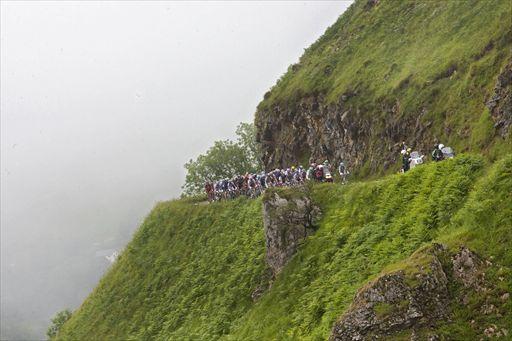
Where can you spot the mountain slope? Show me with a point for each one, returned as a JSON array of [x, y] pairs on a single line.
[[191, 269], [386, 71], [368, 226], [188, 272], [392, 71]]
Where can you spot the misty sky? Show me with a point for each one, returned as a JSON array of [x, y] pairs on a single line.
[[101, 105]]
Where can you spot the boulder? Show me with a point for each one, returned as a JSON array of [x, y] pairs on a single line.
[[415, 300], [288, 220], [395, 302], [500, 102]]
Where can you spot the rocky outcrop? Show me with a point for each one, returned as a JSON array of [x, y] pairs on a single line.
[[340, 102], [468, 268], [371, 3], [415, 301], [311, 129], [396, 302], [288, 217], [314, 130], [500, 103], [265, 282]]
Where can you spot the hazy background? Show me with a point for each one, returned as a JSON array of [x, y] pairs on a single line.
[[101, 105]]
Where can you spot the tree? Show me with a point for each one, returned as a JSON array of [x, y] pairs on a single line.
[[57, 322], [224, 159], [246, 133]]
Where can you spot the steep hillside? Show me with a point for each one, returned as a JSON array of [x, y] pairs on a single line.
[[391, 71], [192, 270], [415, 256], [188, 273]]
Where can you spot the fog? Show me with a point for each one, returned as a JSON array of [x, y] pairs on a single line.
[[101, 105]]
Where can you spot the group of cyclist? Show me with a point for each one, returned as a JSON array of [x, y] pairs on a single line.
[[410, 158], [252, 185]]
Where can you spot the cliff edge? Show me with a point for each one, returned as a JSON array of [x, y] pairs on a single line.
[[387, 71]]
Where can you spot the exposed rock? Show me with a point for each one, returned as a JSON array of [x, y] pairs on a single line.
[[265, 284], [257, 293], [500, 103], [312, 128], [468, 269], [449, 72], [394, 303], [287, 222], [419, 300], [371, 3], [488, 309], [492, 331]]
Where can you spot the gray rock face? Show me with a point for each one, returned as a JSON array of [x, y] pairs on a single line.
[[396, 302], [287, 222], [500, 103], [263, 286], [311, 128], [467, 268], [337, 131], [371, 3]]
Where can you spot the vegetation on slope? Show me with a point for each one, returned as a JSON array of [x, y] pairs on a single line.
[[410, 41], [369, 226], [225, 159], [434, 61], [191, 268], [187, 274]]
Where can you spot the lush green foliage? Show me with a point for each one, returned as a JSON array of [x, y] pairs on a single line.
[[224, 159], [57, 322], [435, 61], [366, 227], [187, 274], [485, 224], [246, 133], [191, 268]]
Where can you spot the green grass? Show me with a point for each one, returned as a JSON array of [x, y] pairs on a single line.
[[190, 270], [436, 60], [383, 309], [187, 274]]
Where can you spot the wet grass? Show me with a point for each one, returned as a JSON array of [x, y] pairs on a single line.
[[437, 61], [190, 270]]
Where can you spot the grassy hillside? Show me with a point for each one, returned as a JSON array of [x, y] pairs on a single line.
[[399, 70], [370, 226], [378, 49], [394, 70], [187, 274], [191, 268]]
